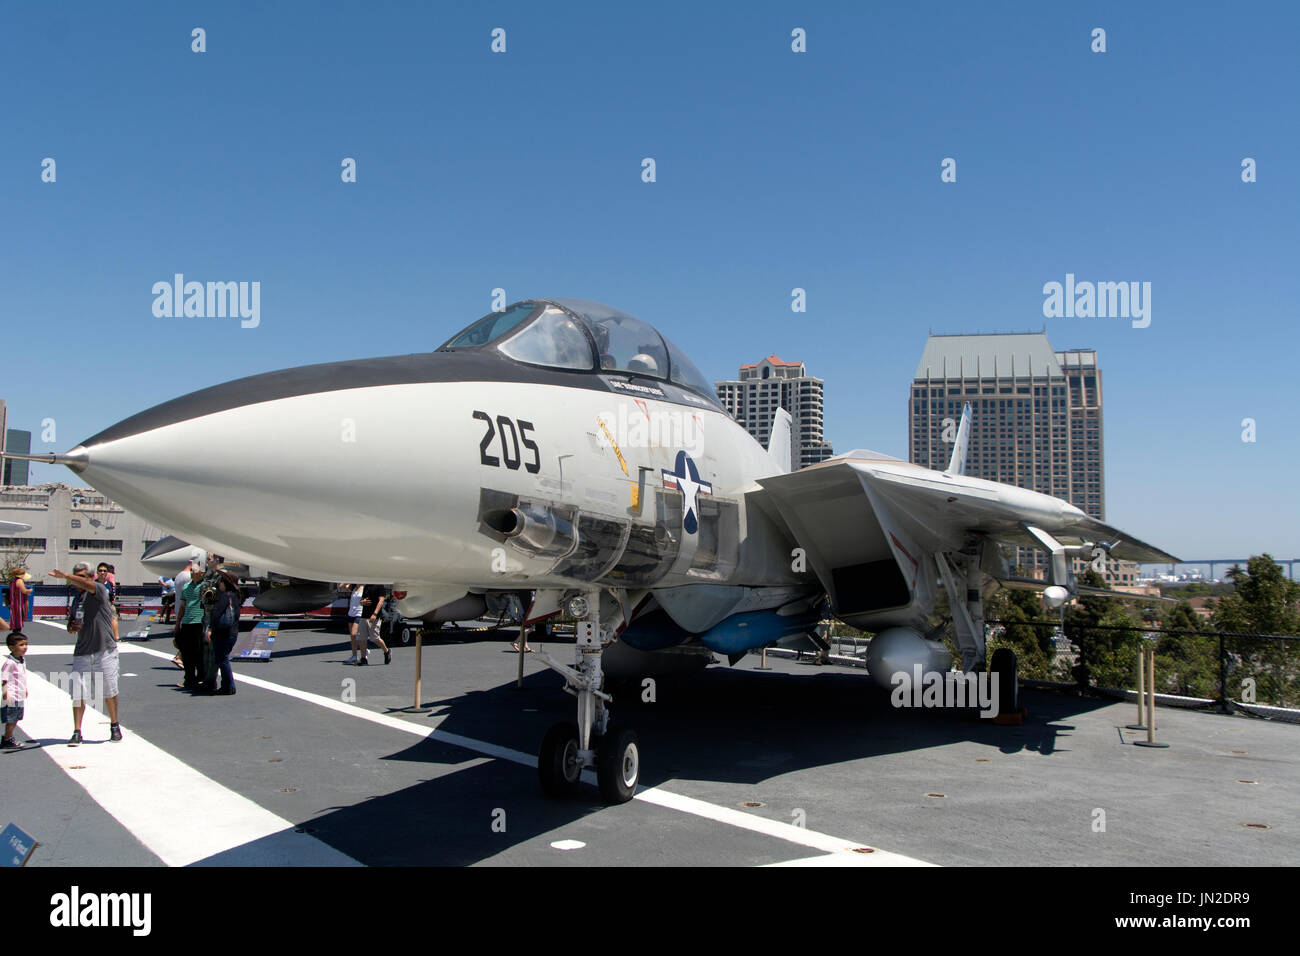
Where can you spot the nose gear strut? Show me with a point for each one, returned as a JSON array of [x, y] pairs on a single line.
[[594, 742]]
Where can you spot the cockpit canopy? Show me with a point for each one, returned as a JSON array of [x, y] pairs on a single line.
[[577, 335]]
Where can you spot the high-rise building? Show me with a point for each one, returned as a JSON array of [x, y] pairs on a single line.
[[16, 472], [764, 387], [11, 439], [1036, 417]]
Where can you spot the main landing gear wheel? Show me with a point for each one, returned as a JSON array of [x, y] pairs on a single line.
[[618, 764], [559, 764]]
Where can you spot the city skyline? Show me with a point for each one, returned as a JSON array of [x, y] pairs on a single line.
[[811, 180]]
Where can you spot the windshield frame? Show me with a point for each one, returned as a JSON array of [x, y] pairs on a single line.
[[665, 378], [519, 326]]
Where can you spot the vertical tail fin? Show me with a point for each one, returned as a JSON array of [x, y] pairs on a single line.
[[779, 442], [957, 464]]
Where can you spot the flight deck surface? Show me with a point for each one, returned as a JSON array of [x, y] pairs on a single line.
[[797, 764]]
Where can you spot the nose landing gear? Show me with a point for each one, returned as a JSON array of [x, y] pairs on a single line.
[[618, 765], [591, 743], [559, 765]]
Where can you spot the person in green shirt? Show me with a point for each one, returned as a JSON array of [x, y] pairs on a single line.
[[189, 630]]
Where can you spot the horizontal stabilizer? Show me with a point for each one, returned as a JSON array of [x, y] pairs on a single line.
[[1035, 584]]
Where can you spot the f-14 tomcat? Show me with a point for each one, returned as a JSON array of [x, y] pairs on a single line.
[[568, 452]]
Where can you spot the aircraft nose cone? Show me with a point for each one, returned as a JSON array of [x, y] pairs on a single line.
[[77, 459], [295, 470]]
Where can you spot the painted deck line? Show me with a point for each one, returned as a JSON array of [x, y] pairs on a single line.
[[180, 815], [653, 795], [844, 852]]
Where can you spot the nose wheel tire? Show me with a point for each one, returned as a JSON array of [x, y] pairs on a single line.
[[618, 765], [559, 765]]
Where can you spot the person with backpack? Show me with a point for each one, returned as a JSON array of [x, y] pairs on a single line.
[[222, 632]]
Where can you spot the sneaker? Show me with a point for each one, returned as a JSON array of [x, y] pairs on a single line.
[[363, 662], [115, 732], [75, 739], [351, 660], [388, 657], [8, 743], [227, 691]]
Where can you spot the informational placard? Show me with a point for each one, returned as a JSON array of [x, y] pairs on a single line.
[[257, 644], [140, 631], [15, 847]]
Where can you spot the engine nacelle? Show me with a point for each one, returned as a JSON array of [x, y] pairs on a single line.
[[898, 649]]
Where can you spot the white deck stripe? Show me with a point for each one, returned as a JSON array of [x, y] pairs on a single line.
[[653, 795], [842, 850], [779, 829], [180, 815]]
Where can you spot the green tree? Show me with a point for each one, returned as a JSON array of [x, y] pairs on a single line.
[[1107, 658], [1187, 664], [1031, 643], [1263, 601]]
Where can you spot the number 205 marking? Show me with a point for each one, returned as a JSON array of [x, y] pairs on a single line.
[[510, 446]]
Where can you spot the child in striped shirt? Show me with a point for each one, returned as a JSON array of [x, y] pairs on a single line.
[[13, 681]]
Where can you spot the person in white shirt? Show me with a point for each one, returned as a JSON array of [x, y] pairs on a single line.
[[354, 616]]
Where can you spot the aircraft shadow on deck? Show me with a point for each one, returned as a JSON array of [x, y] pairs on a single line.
[[729, 726], [446, 821]]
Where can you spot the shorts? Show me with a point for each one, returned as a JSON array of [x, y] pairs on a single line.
[[368, 631], [11, 713], [84, 669]]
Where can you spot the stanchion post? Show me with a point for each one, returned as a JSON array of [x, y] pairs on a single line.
[[1151, 693], [417, 707], [1224, 706], [1151, 703], [523, 644], [419, 663], [1141, 669]]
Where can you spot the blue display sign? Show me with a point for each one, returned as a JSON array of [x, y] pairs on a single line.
[[15, 847]]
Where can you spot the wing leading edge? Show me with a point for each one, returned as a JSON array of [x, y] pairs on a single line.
[[855, 518]]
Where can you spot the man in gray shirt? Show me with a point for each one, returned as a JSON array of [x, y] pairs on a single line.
[[96, 650]]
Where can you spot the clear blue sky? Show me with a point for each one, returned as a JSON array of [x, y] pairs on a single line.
[[775, 170]]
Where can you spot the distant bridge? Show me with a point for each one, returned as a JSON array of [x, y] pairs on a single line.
[[1289, 564]]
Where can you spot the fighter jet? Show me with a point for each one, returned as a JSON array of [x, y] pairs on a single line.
[[567, 455]]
